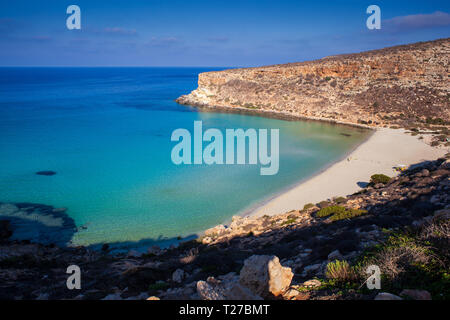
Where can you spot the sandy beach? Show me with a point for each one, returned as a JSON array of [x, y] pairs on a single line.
[[385, 149]]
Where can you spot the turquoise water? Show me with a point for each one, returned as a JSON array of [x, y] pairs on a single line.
[[106, 132]]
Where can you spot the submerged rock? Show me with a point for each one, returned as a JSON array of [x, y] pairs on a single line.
[[46, 173]]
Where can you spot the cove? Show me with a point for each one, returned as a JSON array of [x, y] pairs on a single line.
[[106, 133]]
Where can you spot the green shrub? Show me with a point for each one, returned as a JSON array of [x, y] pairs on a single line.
[[348, 214], [308, 206], [379, 178], [339, 200], [340, 271], [328, 211], [339, 213], [327, 78], [160, 285]]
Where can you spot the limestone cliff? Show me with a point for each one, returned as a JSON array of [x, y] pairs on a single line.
[[408, 83]]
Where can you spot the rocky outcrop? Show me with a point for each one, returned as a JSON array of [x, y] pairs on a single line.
[[393, 85]]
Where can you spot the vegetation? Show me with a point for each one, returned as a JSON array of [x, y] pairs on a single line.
[[340, 271], [379, 178], [160, 285], [339, 213], [308, 206]]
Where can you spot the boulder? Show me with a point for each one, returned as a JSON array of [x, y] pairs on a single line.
[[387, 296], [313, 283], [178, 275], [208, 291], [335, 255], [265, 276], [416, 294], [239, 292]]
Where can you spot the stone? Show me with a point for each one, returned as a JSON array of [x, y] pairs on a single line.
[[265, 276], [239, 292], [335, 255], [208, 291], [313, 283], [154, 250], [178, 275], [416, 294], [113, 296], [314, 268], [290, 294], [134, 254], [303, 296], [387, 296]]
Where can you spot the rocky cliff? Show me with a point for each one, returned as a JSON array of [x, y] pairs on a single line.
[[397, 85]]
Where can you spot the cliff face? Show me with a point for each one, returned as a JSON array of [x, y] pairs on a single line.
[[391, 85]]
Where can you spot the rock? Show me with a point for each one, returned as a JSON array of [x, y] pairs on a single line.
[[335, 255], [178, 276], [46, 173], [207, 240], [290, 294], [265, 276], [303, 296], [134, 254], [216, 231], [208, 291], [314, 283], [239, 292], [387, 296], [416, 294], [425, 173], [153, 298], [445, 164], [314, 268], [113, 296], [154, 250], [441, 215]]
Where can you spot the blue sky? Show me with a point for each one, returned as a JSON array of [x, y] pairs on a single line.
[[207, 33]]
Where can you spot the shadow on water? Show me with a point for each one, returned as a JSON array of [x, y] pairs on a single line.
[[44, 224], [38, 223]]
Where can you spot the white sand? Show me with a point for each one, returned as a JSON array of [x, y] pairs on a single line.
[[385, 149]]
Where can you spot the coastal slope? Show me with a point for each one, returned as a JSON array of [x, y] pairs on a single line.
[[396, 85]]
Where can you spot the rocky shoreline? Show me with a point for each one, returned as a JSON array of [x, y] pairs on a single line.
[[286, 256]]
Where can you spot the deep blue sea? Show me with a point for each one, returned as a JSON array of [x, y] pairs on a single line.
[[106, 133]]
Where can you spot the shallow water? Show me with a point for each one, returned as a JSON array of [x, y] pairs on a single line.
[[106, 132]]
